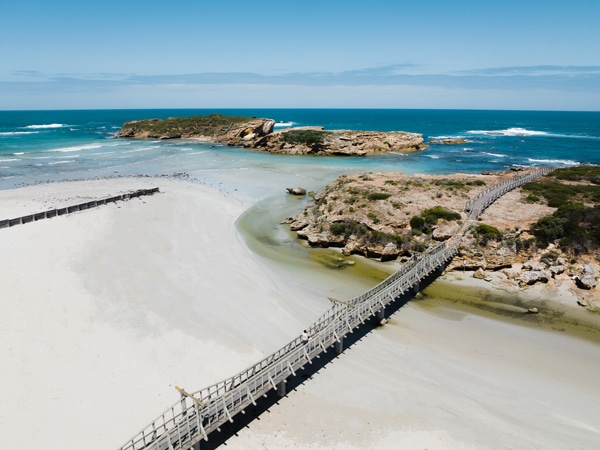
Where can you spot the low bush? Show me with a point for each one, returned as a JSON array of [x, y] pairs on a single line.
[[378, 196], [309, 138]]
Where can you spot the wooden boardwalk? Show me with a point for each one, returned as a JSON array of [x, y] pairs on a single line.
[[197, 414], [6, 223]]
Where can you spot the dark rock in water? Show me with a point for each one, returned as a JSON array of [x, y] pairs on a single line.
[[297, 191], [450, 141]]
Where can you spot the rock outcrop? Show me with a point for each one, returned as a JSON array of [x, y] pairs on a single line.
[[588, 278], [376, 215], [259, 134], [213, 128], [318, 141]]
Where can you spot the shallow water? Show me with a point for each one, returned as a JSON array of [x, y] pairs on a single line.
[[455, 301], [344, 277], [340, 276]]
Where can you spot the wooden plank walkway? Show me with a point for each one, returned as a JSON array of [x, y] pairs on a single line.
[[197, 414]]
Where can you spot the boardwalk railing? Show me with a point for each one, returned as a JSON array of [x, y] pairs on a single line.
[[199, 413], [485, 198], [74, 208]]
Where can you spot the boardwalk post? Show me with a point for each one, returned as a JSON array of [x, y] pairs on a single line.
[[339, 345], [380, 314], [281, 388]]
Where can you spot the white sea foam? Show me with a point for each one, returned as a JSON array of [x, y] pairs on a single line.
[[18, 153], [446, 138], [283, 124], [76, 148], [137, 150], [509, 132], [432, 156], [59, 162], [497, 155], [16, 133], [49, 125], [10, 159], [565, 162]]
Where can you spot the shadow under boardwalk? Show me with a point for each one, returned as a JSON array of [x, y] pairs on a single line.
[[252, 413]]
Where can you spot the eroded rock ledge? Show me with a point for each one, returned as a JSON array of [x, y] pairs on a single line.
[[318, 141], [258, 134]]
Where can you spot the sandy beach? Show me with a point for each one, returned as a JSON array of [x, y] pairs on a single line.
[[104, 311]]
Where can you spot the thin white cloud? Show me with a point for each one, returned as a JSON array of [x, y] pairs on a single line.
[[545, 82]]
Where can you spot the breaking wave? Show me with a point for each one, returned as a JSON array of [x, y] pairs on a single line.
[[16, 133], [48, 125], [510, 132], [77, 148], [564, 162]]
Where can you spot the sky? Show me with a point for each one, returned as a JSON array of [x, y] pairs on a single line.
[[460, 54]]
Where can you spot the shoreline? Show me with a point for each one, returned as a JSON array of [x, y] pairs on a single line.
[[114, 306], [557, 308]]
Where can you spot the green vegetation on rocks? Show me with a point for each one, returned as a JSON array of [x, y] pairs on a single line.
[[310, 138], [176, 127], [576, 222]]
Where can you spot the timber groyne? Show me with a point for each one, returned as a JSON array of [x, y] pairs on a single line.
[[6, 223]]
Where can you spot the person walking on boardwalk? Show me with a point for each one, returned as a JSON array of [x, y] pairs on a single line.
[[305, 337]]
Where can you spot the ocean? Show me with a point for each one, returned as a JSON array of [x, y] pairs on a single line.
[[39, 146]]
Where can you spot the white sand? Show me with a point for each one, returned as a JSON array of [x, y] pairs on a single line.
[[103, 312]]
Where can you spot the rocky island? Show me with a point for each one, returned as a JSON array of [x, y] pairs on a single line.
[[547, 231], [259, 134]]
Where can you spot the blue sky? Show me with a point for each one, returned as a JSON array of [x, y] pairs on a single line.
[[526, 54]]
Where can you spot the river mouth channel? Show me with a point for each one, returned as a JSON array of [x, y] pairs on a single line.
[[343, 277], [262, 230]]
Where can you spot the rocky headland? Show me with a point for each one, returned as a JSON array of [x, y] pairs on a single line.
[[521, 240], [259, 134]]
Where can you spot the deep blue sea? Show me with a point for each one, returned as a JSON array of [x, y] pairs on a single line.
[[40, 146]]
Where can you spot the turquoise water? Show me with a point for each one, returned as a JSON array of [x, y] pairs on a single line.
[[54, 145]]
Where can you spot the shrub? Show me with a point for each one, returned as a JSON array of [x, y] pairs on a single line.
[[487, 231], [309, 138], [450, 183], [432, 215], [417, 223], [549, 229], [476, 183], [373, 217], [338, 228], [378, 196]]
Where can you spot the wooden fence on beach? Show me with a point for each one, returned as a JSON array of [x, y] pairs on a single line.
[[199, 413], [74, 208]]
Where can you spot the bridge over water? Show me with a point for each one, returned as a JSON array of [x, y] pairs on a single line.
[[197, 414]]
